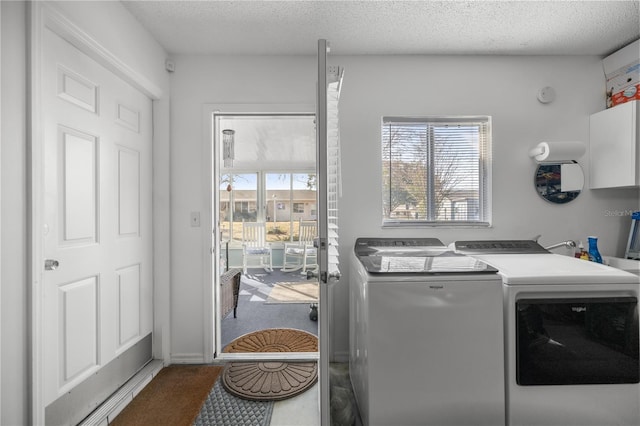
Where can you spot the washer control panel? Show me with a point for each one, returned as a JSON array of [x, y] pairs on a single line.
[[365, 246]]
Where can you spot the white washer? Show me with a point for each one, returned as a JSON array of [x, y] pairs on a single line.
[[571, 336], [426, 340]]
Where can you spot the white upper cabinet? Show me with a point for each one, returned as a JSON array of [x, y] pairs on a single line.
[[615, 147]]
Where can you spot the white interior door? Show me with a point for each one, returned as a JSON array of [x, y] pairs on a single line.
[[97, 235]]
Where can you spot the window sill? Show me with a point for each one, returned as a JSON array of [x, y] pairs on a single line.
[[427, 224]]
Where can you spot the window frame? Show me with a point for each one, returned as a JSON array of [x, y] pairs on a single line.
[[484, 178]]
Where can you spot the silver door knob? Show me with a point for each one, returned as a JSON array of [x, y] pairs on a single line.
[[51, 264]]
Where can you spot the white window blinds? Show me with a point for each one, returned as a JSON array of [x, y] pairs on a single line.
[[334, 182], [436, 171]]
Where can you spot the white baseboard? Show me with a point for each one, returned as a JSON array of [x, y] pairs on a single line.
[[187, 359]]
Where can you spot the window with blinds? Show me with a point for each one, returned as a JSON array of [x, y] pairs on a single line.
[[436, 171]]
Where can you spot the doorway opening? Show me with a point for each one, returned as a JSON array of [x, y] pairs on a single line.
[[265, 217]]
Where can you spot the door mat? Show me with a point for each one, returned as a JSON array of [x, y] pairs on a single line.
[[173, 397], [271, 380], [301, 292], [224, 409]]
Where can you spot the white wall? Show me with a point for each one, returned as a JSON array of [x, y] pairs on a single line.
[[502, 87], [120, 33], [113, 27], [195, 82]]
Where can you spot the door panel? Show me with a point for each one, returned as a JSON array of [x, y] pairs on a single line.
[[128, 304], [96, 137], [79, 191], [78, 334], [78, 90], [128, 192], [128, 117]]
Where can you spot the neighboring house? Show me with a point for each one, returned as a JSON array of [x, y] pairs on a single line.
[[459, 205], [299, 204]]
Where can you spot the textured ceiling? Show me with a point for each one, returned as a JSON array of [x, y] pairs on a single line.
[[390, 27]]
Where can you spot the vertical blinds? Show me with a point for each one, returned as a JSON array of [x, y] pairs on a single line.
[[436, 170]]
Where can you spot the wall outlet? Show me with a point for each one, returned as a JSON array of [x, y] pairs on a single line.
[[195, 219]]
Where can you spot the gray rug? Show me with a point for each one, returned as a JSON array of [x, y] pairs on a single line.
[[223, 409]]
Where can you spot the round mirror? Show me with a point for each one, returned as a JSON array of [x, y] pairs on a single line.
[[559, 183]]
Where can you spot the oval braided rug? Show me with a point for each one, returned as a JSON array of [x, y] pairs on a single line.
[[271, 380]]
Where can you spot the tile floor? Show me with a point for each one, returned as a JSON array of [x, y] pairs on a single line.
[[301, 410]]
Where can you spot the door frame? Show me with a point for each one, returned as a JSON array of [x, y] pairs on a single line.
[[41, 16], [0, 203], [211, 239]]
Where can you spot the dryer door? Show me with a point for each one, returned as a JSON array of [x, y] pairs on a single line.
[[577, 341]]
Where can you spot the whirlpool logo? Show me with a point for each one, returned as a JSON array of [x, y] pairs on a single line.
[[579, 309]]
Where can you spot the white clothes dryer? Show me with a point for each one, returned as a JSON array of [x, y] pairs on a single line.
[[571, 336], [426, 344]]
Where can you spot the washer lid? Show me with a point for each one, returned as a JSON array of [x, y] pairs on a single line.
[[423, 263], [418, 256], [551, 269]]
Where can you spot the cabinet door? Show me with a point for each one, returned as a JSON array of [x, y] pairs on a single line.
[[614, 153]]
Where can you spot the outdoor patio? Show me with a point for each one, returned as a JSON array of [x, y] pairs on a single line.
[[256, 311]]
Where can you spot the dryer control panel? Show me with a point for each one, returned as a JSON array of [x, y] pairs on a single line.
[[499, 247]]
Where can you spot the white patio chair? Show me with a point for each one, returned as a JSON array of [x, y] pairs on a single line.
[[255, 247], [302, 254]]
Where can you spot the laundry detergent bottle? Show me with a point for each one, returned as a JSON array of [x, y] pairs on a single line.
[[594, 254]]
